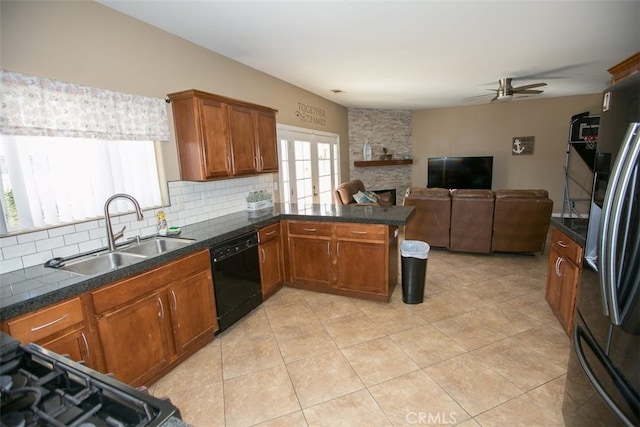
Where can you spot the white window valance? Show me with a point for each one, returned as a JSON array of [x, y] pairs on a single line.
[[38, 106]]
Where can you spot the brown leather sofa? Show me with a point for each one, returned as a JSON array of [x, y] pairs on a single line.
[[431, 220], [481, 221], [521, 220], [471, 220]]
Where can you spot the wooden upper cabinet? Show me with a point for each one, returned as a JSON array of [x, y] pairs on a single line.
[[625, 68], [215, 144], [267, 141], [219, 137], [243, 140]]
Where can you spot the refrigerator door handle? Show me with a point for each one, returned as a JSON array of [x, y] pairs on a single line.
[[628, 394], [610, 222]]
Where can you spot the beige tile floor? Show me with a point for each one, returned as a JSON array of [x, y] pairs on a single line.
[[483, 349]]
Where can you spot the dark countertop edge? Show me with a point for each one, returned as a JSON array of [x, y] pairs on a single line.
[[89, 283], [565, 226]]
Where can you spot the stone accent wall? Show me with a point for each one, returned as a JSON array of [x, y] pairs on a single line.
[[383, 128]]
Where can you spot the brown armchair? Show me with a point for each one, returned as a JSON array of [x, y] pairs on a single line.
[[343, 195], [432, 218], [521, 220]]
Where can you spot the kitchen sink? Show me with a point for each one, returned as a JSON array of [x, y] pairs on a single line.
[[101, 263], [155, 246]]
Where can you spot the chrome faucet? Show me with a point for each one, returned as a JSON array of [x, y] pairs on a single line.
[[111, 238]]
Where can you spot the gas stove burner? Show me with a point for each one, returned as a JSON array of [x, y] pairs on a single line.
[[6, 382], [40, 388], [17, 419]]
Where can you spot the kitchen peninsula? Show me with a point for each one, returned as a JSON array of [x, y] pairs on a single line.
[[349, 250]]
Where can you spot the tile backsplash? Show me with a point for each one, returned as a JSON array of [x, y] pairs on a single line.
[[190, 202]]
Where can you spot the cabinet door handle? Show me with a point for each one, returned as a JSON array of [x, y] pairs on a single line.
[[271, 232], [559, 261], [312, 230], [228, 164], [562, 244], [46, 325], [161, 313], [175, 301], [358, 232], [329, 249], [86, 344], [263, 255]]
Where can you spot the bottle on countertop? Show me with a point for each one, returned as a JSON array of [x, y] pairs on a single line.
[[162, 223]]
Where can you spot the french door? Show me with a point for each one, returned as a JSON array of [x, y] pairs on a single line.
[[309, 171]]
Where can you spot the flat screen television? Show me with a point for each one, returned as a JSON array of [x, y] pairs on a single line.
[[460, 172]]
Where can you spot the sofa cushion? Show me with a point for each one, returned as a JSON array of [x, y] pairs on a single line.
[[522, 194], [472, 194], [428, 193]]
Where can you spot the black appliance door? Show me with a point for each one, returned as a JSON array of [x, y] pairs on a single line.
[[606, 334], [603, 372]]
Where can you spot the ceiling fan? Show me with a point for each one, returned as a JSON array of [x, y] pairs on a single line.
[[506, 91]]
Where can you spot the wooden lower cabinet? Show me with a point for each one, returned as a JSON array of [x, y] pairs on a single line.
[[135, 339], [271, 259], [152, 321], [60, 328], [193, 312], [563, 275], [349, 259]]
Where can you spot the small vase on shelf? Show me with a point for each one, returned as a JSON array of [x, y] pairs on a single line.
[[366, 151]]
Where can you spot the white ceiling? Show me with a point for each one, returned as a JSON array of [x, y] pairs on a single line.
[[409, 54]]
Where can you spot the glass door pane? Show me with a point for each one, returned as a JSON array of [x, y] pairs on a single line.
[[304, 182], [309, 167]]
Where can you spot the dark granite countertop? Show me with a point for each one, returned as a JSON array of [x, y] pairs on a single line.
[[29, 289], [575, 228]]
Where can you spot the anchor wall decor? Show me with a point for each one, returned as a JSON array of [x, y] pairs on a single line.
[[522, 145]]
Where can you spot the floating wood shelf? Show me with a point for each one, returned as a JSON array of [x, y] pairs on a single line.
[[369, 163]]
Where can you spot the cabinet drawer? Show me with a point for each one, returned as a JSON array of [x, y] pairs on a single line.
[[122, 292], [35, 326], [566, 247], [361, 231], [317, 229], [269, 233]]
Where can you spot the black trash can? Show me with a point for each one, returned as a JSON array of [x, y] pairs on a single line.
[[414, 255]]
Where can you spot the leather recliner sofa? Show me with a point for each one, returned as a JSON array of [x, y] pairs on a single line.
[[521, 220], [481, 221], [431, 220]]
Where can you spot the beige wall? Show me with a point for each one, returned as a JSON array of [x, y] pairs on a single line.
[[489, 129], [84, 42]]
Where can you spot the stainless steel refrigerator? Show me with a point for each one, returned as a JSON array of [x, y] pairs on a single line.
[[603, 380]]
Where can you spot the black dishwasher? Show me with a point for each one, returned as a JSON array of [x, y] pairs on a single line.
[[236, 278]]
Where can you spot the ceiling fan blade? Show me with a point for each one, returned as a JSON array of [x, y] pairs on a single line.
[[528, 91], [480, 96], [531, 86]]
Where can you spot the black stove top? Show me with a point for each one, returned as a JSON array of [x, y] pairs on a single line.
[[42, 388]]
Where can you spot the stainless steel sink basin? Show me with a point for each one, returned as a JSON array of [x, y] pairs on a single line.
[[101, 263], [155, 246]]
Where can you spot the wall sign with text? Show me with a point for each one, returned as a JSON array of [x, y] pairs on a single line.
[[310, 114]]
